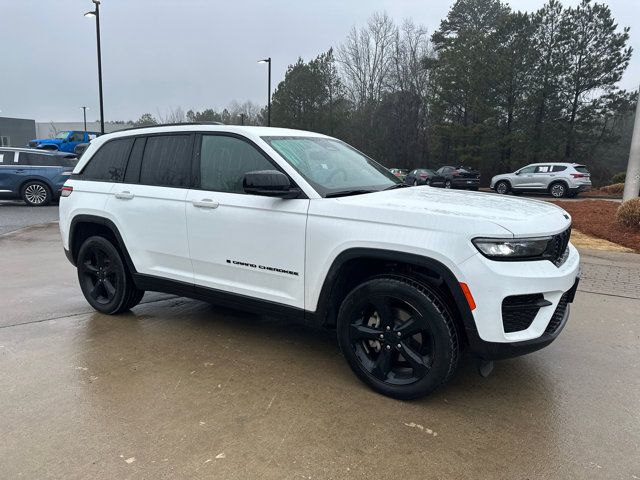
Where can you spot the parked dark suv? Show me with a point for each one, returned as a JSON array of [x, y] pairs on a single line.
[[459, 177], [36, 176]]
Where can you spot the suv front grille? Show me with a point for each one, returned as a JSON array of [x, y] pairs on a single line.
[[558, 315], [558, 249], [518, 311]]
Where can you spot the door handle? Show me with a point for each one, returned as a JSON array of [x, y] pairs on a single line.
[[125, 195], [205, 203]]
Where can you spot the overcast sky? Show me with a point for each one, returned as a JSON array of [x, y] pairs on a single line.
[[194, 54]]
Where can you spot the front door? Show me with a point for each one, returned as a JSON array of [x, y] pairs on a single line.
[[524, 178], [243, 244]]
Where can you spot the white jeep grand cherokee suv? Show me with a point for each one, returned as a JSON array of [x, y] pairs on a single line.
[[298, 224]]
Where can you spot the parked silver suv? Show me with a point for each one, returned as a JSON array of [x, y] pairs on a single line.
[[558, 179]]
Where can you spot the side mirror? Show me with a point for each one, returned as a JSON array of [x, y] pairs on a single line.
[[269, 183], [517, 172]]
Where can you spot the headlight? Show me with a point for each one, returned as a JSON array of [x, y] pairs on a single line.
[[512, 249]]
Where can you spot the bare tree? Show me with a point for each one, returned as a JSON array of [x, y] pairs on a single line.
[[366, 58], [173, 115]]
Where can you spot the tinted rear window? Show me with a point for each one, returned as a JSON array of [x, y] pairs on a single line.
[[42, 160], [6, 158], [581, 169], [109, 162], [559, 168], [166, 161]]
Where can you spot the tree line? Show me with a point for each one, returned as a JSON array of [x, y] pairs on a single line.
[[491, 88]]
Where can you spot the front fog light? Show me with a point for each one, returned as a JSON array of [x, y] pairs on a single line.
[[511, 249]]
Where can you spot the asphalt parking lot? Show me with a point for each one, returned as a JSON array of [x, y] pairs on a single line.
[[181, 389]]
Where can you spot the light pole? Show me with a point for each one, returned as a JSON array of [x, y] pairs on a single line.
[[96, 13], [632, 182], [268, 60], [84, 116]]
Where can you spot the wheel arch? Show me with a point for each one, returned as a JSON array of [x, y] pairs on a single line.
[[355, 265], [84, 226], [503, 180], [554, 182]]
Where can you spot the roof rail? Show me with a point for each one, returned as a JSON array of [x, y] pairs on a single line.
[[170, 125]]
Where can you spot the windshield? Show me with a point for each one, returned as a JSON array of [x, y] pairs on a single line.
[[331, 166], [62, 135]]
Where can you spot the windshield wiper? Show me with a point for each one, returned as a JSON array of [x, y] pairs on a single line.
[[346, 193], [395, 185]]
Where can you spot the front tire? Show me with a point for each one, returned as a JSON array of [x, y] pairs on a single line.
[[447, 184], [104, 278], [36, 194], [398, 337], [415, 183], [502, 187]]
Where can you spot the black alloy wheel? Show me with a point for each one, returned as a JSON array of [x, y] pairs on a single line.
[[104, 279], [447, 184], [398, 337]]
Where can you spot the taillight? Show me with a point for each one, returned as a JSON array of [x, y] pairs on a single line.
[[424, 175], [66, 191], [579, 175], [456, 174]]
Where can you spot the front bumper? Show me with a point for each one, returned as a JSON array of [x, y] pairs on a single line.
[[498, 351], [490, 282]]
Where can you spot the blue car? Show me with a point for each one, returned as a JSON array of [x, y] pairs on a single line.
[[65, 141], [36, 176]]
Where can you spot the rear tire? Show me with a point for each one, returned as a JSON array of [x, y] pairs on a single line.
[[558, 190], [104, 279], [415, 183], [398, 337], [447, 184], [36, 194]]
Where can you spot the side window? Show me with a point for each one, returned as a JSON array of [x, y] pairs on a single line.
[[527, 170], [543, 169], [109, 162], [559, 168], [77, 137], [224, 161], [6, 158], [166, 161], [132, 174], [37, 159]]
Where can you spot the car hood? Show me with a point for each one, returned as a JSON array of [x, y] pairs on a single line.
[[432, 207], [49, 141]]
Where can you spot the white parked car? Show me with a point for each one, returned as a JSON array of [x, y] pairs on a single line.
[[557, 179], [298, 224]]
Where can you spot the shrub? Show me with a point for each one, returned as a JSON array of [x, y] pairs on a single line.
[[619, 177], [614, 189], [628, 213]]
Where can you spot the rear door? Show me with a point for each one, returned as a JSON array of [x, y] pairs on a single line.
[[147, 203], [240, 243]]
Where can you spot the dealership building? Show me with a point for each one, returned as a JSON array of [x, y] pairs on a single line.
[[16, 132]]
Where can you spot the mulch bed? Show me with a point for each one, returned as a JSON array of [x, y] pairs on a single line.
[[598, 218]]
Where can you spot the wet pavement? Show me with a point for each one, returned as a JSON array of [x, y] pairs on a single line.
[[15, 214], [181, 389]]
